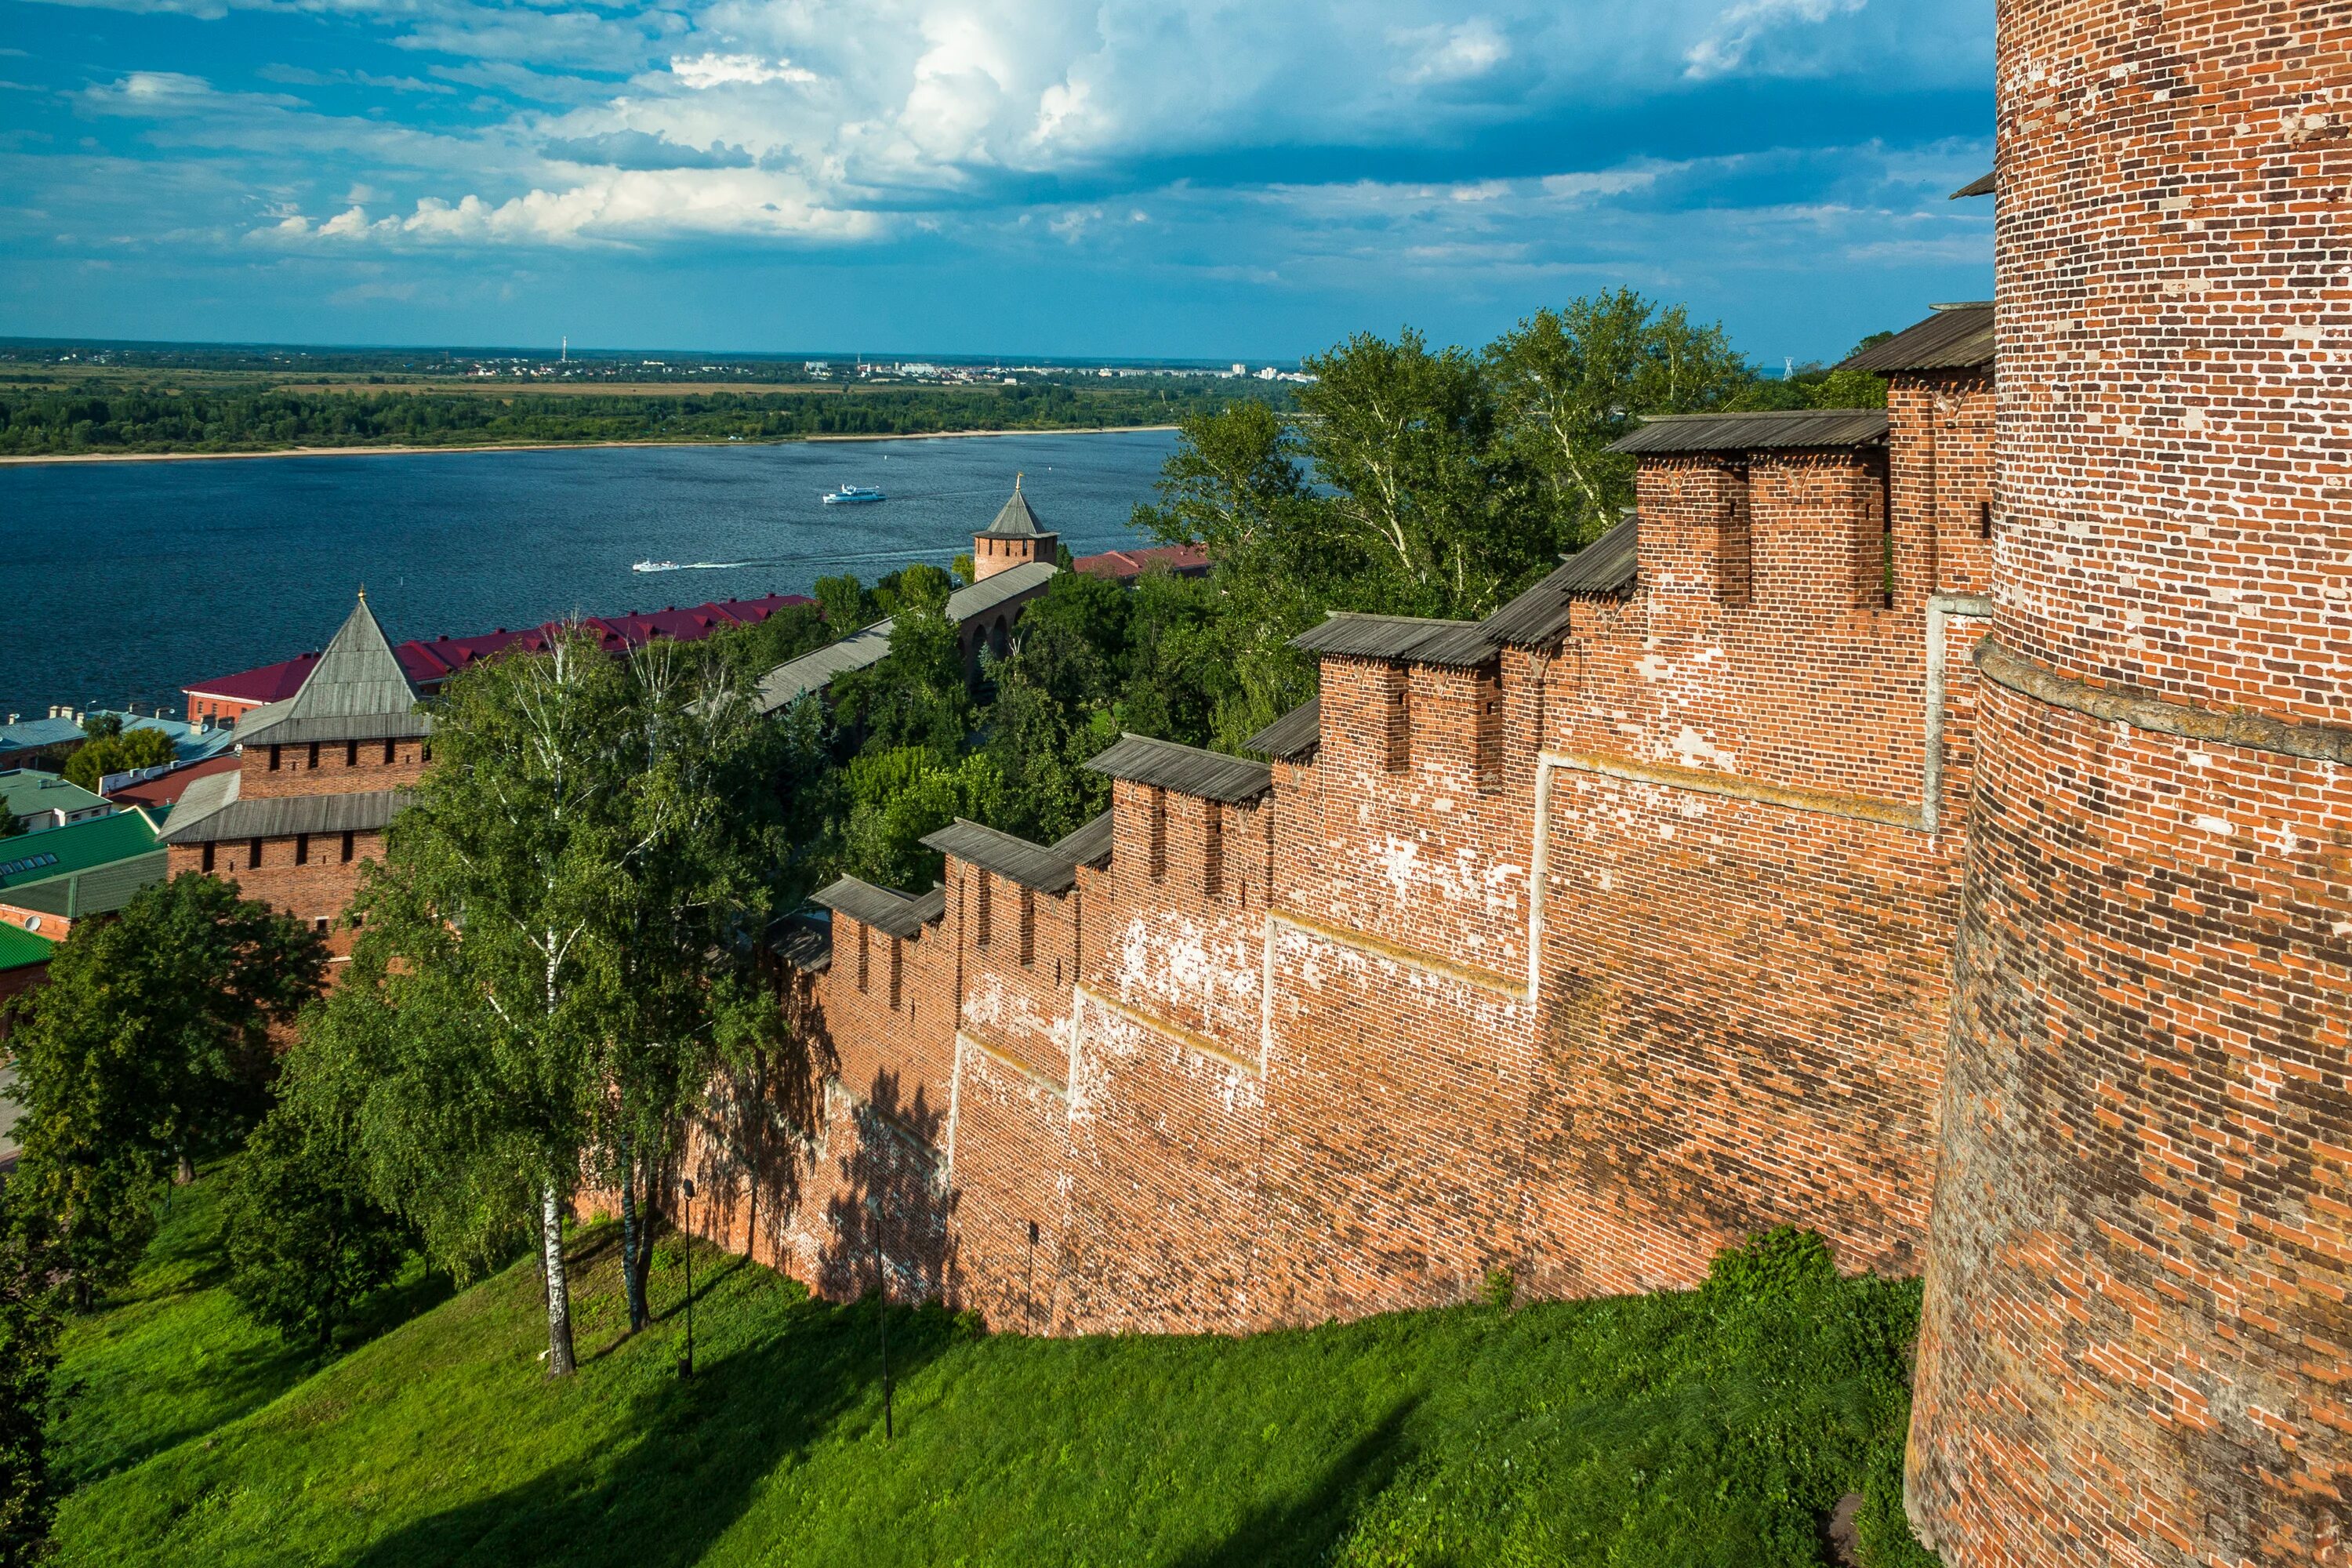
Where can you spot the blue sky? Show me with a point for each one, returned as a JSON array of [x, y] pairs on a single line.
[[1210, 178]]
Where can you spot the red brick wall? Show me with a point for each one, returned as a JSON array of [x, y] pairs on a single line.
[[317, 890], [2136, 1339], [330, 767], [1279, 1061]]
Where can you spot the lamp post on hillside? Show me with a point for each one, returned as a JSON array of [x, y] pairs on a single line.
[[685, 1185], [881, 1310]]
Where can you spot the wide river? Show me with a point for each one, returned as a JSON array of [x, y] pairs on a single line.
[[127, 581]]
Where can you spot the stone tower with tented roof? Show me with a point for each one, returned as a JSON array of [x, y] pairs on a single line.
[[1015, 539], [320, 776]]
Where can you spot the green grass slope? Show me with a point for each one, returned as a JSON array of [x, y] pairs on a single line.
[[1716, 1427]]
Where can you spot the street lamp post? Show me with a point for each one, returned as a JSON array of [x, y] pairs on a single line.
[[686, 1367]]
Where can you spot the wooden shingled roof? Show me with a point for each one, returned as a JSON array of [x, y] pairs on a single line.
[[1187, 769], [1776, 429], [1343, 634], [1013, 857], [1604, 569], [1293, 737], [885, 908], [1956, 337]]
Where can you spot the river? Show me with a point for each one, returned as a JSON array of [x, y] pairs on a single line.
[[127, 581]]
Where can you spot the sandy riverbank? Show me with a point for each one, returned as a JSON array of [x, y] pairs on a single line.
[[11, 461]]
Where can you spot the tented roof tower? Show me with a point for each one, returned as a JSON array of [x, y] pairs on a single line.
[[1015, 539], [357, 691]]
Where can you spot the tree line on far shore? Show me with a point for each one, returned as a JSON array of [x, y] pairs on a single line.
[[100, 419], [572, 933]]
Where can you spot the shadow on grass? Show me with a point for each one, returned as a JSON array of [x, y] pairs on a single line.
[[691, 1456], [1305, 1530]]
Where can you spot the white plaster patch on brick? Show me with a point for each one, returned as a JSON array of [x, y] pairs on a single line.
[[1694, 750]]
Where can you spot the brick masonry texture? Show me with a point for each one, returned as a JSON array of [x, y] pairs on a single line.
[[308, 876], [2136, 1336], [1775, 892], [1327, 1053]]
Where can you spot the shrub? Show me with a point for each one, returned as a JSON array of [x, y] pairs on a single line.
[[306, 1241]]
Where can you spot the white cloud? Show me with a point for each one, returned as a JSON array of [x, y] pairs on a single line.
[[710, 71], [1459, 53], [626, 206], [1729, 43]]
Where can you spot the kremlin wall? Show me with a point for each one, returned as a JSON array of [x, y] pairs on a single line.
[[1935, 832], [1931, 827]]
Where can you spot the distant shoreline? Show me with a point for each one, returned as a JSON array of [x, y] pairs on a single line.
[[20, 459]]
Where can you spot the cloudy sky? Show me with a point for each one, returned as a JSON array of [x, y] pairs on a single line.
[[1247, 178]]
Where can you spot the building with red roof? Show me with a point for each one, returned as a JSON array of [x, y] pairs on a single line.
[[1126, 565], [225, 698]]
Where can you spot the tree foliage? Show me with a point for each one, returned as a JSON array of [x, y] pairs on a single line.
[[30, 1318], [306, 1240], [558, 942], [149, 1042], [119, 753]]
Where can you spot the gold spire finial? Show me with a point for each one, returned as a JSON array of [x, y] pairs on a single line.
[[362, 592]]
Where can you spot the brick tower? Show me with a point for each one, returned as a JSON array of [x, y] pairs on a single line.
[[1015, 539], [320, 776], [2136, 1335]]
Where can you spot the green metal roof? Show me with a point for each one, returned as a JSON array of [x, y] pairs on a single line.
[[27, 790], [19, 947], [86, 869]]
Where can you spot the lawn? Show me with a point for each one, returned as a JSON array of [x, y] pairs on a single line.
[[1714, 1426]]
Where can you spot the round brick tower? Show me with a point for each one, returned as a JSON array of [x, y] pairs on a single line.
[[2137, 1347]]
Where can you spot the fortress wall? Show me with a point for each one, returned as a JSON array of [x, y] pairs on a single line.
[[1941, 446], [1233, 1111]]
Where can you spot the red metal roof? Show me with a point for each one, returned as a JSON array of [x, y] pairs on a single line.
[[1184, 560], [429, 664]]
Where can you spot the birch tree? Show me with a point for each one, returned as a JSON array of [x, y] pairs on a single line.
[[466, 1041], [1570, 381]]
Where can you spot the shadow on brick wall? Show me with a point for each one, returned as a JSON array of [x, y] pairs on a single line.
[[889, 1216], [752, 1143]]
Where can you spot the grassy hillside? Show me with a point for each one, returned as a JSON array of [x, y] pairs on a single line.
[[1713, 1428]]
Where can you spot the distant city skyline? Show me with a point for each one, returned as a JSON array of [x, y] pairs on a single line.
[[1115, 181]]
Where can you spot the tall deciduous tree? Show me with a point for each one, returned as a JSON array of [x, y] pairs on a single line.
[[149, 1041], [702, 850], [465, 1041], [1570, 381], [560, 946], [1405, 439]]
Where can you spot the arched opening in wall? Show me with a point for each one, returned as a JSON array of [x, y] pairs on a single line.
[[980, 909], [1213, 849], [898, 969], [996, 637], [1028, 927], [208, 857], [314, 757], [301, 849], [351, 753]]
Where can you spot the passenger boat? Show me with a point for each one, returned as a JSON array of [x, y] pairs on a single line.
[[654, 566], [853, 495]]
